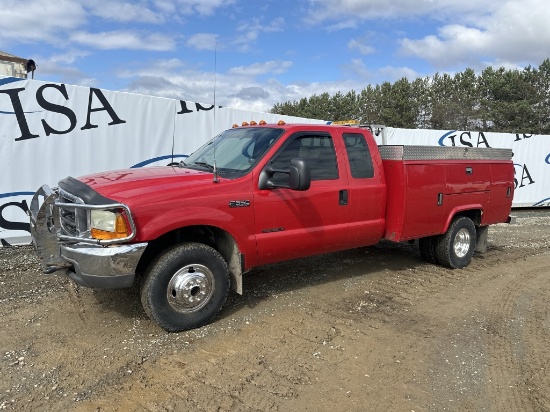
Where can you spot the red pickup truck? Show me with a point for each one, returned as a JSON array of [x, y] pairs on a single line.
[[259, 194]]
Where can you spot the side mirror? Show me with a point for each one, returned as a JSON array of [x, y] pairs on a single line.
[[299, 176]]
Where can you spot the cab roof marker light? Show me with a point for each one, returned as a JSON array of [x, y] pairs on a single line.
[[281, 123], [253, 123], [235, 125], [262, 123], [245, 123]]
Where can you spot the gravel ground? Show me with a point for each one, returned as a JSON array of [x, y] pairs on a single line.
[[373, 328]]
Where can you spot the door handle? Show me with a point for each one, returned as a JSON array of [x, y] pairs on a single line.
[[343, 197]]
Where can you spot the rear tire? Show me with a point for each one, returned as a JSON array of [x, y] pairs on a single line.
[[456, 247], [426, 245], [185, 287]]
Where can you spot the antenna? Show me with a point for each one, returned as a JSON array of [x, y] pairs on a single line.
[[174, 132], [215, 172]]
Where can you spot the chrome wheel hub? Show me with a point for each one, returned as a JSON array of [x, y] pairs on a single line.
[[461, 244], [190, 288]]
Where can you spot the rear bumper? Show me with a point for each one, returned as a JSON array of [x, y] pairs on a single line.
[[89, 265]]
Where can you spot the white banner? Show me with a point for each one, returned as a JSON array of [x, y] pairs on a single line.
[[49, 131]]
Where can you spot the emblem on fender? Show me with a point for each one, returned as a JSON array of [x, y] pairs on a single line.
[[239, 203]]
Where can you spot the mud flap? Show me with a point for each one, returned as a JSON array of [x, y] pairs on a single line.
[[482, 235]]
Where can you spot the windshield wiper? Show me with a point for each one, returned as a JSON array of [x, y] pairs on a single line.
[[204, 164]]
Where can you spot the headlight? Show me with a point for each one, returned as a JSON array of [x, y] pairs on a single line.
[[103, 220], [106, 225]]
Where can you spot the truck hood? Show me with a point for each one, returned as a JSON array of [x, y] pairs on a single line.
[[123, 185]]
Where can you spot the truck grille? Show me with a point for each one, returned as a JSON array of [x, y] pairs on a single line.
[[73, 221]]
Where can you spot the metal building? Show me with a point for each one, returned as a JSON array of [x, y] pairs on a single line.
[[14, 66]]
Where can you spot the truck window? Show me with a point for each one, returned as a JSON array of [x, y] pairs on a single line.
[[317, 149], [360, 160]]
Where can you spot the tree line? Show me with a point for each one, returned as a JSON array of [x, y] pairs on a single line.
[[501, 100]]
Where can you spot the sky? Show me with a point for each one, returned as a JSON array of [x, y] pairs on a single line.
[[252, 54]]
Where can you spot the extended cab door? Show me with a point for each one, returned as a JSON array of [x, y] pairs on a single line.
[[367, 189], [291, 224]]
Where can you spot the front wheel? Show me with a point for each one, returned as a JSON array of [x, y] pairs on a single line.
[[456, 247], [185, 287]]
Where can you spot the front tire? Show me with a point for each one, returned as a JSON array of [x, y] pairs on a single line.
[[185, 287], [456, 247]]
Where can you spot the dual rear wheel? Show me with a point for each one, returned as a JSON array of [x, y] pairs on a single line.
[[453, 249]]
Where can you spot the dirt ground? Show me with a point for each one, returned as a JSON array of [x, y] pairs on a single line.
[[371, 329]]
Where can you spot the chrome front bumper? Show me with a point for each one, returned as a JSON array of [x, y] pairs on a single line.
[[88, 265], [103, 267]]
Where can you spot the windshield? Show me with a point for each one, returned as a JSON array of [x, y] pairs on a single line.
[[237, 150]]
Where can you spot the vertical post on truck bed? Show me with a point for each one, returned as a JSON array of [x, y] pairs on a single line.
[[378, 131], [383, 134]]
